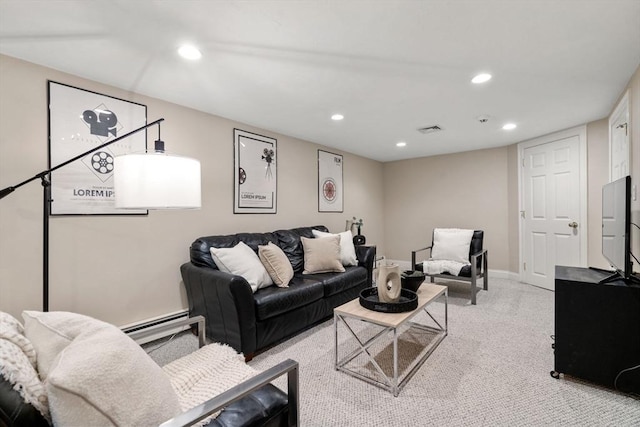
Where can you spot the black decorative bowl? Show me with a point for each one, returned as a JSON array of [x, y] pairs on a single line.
[[411, 279], [408, 301]]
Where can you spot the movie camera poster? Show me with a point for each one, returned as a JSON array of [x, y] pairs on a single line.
[[80, 120], [330, 189], [255, 173]]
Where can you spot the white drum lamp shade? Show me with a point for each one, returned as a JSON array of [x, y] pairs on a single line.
[[156, 180]]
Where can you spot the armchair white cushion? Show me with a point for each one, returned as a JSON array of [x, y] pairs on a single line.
[[98, 375], [451, 244]]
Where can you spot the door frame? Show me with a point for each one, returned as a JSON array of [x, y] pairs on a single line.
[[621, 110], [581, 133]]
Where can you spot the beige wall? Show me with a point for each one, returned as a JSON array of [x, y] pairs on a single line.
[[465, 190], [123, 269]]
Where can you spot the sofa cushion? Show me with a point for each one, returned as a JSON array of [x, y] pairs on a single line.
[[347, 248], [334, 283], [322, 255], [276, 263], [273, 301], [241, 260], [289, 242]]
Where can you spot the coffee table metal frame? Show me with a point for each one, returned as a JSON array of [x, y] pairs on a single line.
[[390, 322]]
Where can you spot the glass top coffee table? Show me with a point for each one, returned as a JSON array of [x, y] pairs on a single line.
[[390, 323]]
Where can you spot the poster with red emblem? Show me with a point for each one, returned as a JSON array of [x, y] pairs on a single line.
[[330, 189]]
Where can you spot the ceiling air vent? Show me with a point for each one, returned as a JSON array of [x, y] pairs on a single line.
[[430, 129]]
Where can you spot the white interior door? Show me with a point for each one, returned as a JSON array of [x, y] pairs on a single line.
[[551, 203]]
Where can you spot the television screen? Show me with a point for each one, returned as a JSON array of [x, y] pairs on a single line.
[[616, 224]]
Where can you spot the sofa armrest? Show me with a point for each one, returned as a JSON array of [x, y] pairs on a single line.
[[289, 367], [367, 258], [413, 256], [226, 301]]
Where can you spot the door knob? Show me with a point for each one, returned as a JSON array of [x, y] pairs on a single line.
[[573, 224]]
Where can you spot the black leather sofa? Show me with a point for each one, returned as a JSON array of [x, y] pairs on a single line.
[[250, 322]]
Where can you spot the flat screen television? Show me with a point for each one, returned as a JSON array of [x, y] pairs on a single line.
[[616, 226]]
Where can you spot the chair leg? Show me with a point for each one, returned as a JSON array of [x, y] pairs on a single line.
[[474, 278], [485, 272], [473, 289]]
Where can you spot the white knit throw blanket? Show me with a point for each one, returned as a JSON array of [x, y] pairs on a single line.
[[443, 266], [206, 373], [17, 364]]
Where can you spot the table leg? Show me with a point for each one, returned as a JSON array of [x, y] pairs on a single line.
[[335, 336], [395, 362], [446, 311]]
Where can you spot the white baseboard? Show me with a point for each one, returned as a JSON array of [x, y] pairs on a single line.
[[498, 274], [143, 324]]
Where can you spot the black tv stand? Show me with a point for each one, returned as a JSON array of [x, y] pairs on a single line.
[[597, 328], [602, 270]]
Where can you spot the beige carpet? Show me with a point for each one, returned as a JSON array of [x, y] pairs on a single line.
[[492, 370]]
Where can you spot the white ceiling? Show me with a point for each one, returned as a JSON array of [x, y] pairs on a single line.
[[390, 67]]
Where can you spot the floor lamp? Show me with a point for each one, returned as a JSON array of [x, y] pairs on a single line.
[[149, 180]]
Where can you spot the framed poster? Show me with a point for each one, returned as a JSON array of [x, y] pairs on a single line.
[[330, 189], [255, 173], [79, 120]]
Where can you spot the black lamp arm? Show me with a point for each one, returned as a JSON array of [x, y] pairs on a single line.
[[6, 191]]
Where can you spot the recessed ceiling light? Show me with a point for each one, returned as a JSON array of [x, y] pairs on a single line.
[[481, 78], [191, 52], [337, 117], [401, 144], [509, 126]]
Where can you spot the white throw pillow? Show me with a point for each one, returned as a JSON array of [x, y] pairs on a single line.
[[101, 377], [451, 244], [52, 332], [241, 260], [347, 249]]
